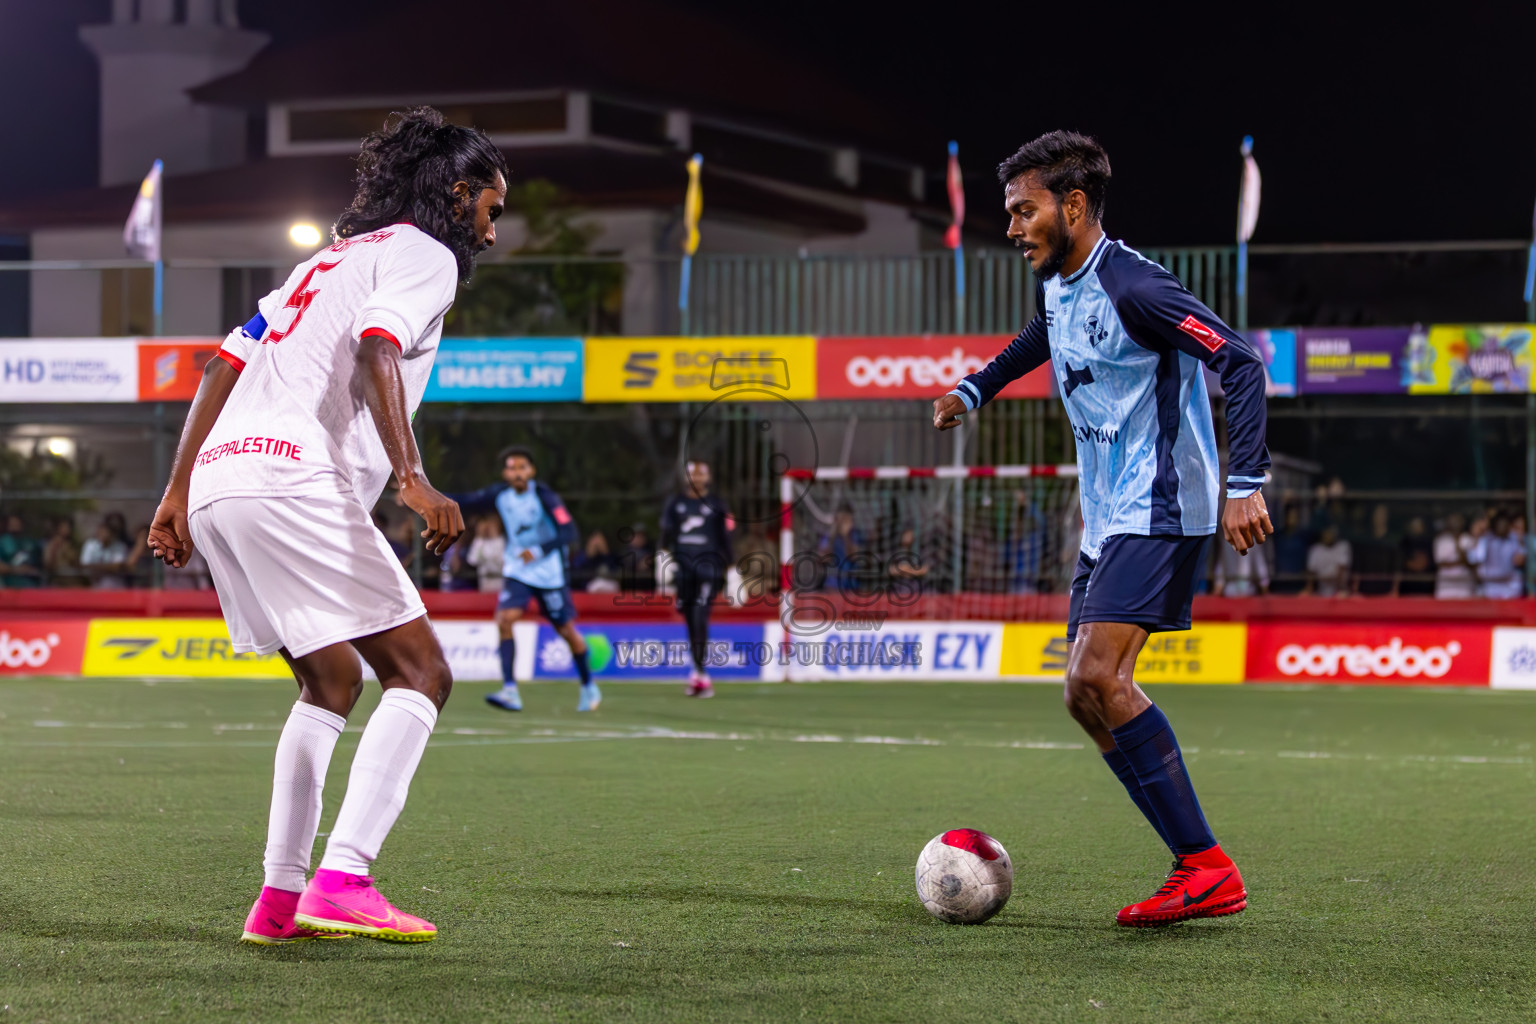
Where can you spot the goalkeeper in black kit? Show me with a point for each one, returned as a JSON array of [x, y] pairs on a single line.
[[696, 529]]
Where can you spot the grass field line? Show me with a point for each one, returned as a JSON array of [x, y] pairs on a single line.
[[478, 737]]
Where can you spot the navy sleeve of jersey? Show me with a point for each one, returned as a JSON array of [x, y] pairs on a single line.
[[669, 525], [565, 526], [483, 500], [1157, 310], [1030, 349]]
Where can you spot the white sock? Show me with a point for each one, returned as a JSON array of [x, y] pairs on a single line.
[[298, 779], [387, 757]]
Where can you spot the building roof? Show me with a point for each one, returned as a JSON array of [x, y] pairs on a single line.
[[321, 187], [640, 49]]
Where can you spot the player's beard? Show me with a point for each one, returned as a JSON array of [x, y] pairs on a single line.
[[1060, 244], [461, 242]]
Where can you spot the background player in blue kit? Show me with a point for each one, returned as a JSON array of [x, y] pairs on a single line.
[[538, 529], [696, 529], [1128, 344]]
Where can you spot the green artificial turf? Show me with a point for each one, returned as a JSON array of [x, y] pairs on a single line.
[[750, 858]]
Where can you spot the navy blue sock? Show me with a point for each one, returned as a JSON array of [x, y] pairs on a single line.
[[508, 659], [583, 667], [1148, 743], [1127, 776]]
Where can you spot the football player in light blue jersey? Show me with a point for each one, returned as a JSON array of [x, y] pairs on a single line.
[[538, 529], [1128, 344]]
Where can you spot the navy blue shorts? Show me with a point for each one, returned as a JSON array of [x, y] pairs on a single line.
[[1146, 581], [554, 602], [698, 583]]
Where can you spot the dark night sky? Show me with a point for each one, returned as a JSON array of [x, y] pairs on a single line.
[[1413, 124]]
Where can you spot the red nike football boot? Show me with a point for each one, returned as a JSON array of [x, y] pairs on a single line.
[[1205, 884]]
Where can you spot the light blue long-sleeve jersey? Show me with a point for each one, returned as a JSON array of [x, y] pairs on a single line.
[[1126, 340]]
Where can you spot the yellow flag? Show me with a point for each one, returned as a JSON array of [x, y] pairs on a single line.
[[693, 206]]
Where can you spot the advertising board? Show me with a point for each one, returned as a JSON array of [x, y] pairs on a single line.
[[1368, 652], [507, 370], [699, 369], [1351, 360], [69, 370], [173, 647], [914, 367], [42, 647], [1208, 653]]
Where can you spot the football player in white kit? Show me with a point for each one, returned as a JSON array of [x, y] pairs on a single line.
[[295, 430]]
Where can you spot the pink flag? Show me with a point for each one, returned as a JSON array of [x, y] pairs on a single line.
[[956, 197]]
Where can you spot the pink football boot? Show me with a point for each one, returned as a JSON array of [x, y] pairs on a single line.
[[335, 901], [270, 922]]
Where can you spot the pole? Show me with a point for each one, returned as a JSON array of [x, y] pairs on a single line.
[[1530, 492], [1530, 285], [159, 297], [960, 289], [958, 529], [1242, 286], [682, 294]]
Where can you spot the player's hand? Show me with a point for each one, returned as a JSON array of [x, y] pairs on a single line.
[[527, 556], [947, 410], [169, 538], [445, 523], [1245, 522]]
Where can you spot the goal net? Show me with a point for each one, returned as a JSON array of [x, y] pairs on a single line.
[[948, 542]]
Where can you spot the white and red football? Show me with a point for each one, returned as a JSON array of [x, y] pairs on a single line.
[[964, 876]]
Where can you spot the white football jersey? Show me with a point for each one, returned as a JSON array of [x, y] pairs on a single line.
[[296, 422]]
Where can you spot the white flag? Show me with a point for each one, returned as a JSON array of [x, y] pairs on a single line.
[[141, 235], [1248, 199]]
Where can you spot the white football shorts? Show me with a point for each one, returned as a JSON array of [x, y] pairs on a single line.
[[301, 572]]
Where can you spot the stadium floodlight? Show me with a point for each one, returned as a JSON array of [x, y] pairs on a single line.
[[304, 234], [61, 447]]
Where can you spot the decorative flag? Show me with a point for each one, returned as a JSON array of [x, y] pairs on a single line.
[[956, 197], [693, 208], [141, 235], [1248, 199]]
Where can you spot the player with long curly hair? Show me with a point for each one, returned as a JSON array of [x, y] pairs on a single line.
[[295, 430]]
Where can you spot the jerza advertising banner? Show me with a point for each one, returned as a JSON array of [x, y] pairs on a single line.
[[173, 647], [42, 647], [1351, 360], [1320, 652], [1208, 653], [699, 369], [507, 370], [170, 370], [69, 370], [914, 367], [1471, 360]]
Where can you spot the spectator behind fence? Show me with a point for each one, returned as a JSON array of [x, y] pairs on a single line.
[[1416, 561], [1328, 562], [104, 555], [594, 567], [1024, 551], [487, 552], [1499, 560], [637, 560], [1453, 575], [61, 557], [1290, 542], [1375, 557], [21, 556], [841, 550], [758, 562], [1241, 575], [906, 563]]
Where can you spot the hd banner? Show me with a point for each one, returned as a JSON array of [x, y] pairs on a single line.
[[914, 367], [507, 370], [69, 370], [1466, 359], [699, 369]]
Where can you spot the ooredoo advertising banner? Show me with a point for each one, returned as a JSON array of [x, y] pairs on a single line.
[[914, 367], [42, 647], [507, 370], [169, 371], [1471, 360], [69, 370], [1208, 653], [1351, 360], [1319, 652]]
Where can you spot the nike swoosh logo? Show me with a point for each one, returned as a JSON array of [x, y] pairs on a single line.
[[1190, 901], [392, 920]]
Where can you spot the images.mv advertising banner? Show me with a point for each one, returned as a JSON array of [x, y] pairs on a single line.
[[507, 370]]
